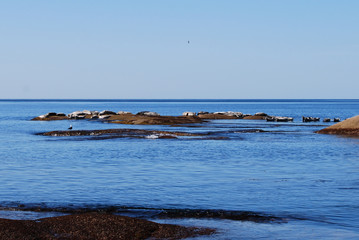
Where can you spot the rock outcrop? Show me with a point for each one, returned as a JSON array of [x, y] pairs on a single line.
[[95, 226], [347, 127], [51, 116], [153, 120]]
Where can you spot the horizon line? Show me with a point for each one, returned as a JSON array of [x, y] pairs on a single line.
[[178, 99]]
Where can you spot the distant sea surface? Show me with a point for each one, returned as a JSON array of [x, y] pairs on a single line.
[[287, 170]]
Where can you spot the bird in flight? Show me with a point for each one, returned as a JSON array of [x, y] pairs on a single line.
[[188, 41]]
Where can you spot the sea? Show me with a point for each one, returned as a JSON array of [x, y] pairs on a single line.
[[283, 169]]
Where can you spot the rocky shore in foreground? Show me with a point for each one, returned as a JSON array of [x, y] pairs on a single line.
[[94, 226], [117, 222]]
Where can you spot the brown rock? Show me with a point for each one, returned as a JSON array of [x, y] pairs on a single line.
[[152, 120], [347, 127], [216, 116], [50, 118], [255, 117]]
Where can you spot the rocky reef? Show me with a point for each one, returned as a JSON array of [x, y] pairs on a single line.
[[153, 118]]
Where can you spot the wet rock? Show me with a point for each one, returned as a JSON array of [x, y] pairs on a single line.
[[336, 120], [219, 214], [326, 120]]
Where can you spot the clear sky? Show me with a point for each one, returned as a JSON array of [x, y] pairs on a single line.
[[139, 49]]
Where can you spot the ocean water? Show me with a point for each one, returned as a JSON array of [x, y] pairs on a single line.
[[286, 170]]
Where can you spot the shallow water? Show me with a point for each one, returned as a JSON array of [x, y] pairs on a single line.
[[287, 170]]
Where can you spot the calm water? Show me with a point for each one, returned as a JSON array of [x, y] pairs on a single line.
[[288, 171]]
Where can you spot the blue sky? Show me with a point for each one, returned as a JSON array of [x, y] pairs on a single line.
[[139, 49]]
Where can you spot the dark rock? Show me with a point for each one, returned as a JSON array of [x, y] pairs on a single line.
[[95, 226]]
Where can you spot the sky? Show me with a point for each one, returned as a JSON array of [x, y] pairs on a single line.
[[114, 49]]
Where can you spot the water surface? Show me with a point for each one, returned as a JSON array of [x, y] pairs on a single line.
[[287, 170]]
